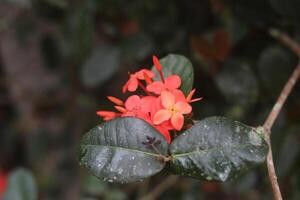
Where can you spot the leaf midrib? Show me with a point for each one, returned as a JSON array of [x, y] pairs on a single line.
[[125, 149], [210, 150]]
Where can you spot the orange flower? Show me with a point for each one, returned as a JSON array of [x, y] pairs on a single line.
[[133, 82], [173, 111]]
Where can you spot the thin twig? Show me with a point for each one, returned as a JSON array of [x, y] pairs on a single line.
[[282, 98], [285, 39], [159, 189]]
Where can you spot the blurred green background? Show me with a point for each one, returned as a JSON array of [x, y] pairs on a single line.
[[59, 59]]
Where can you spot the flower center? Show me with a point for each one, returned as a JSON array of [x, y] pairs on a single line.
[[173, 110]]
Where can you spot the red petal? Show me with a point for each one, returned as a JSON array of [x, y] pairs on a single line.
[[148, 103], [132, 102], [107, 115], [120, 109], [161, 116], [167, 99], [133, 84], [115, 100], [173, 82], [179, 96], [125, 87], [141, 76], [197, 99], [190, 95], [177, 120], [183, 107], [156, 87]]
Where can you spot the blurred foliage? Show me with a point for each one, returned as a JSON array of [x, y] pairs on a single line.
[[83, 51], [21, 185]]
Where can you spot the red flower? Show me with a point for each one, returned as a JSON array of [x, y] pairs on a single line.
[[171, 83], [163, 106], [133, 82], [136, 107], [172, 110]]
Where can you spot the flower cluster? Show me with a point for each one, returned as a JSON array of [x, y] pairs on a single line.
[[164, 106]]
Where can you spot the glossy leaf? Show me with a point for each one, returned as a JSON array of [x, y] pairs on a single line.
[[180, 65], [217, 148], [115, 151], [21, 186]]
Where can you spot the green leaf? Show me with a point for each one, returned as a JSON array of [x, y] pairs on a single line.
[[237, 83], [180, 65], [114, 151], [101, 65], [21, 186], [274, 68], [217, 148]]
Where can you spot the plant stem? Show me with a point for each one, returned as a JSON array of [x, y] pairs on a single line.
[[281, 99], [285, 39]]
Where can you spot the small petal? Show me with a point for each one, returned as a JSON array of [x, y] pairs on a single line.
[[103, 113], [125, 87], [197, 99], [179, 96], [183, 107], [141, 76], [156, 87], [161, 116], [133, 84], [190, 95], [120, 109], [115, 100], [107, 115], [133, 102], [173, 82], [167, 99], [177, 121]]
